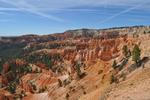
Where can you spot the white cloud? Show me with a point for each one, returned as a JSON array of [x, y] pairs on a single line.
[[122, 12], [24, 6], [39, 7], [55, 4], [9, 9], [67, 4]]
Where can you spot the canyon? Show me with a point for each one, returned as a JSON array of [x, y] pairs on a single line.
[[75, 65]]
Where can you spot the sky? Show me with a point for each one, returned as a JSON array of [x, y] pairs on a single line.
[[19, 17]]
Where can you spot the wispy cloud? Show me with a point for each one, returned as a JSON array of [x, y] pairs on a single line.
[[65, 4], [122, 12], [9, 9], [53, 9], [23, 6], [4, 13], [40, 7], [69, 4]]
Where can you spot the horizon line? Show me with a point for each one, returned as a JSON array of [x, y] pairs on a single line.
[[39, 34]]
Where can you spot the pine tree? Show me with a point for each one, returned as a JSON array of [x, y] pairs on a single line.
[[78, 69], [136, 54]]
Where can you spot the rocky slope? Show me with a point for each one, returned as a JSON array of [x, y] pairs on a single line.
[[76, 64]]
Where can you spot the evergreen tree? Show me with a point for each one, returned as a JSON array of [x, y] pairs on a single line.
[[47, 61], [78, 65], [78, 69], [136, 54]]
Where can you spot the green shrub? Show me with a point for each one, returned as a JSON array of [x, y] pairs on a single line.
[[60, 83], [113, 79], [33, 86], [114, 65], [47, 61], [125, 50], [36, 70], [43, 89], [2, 61]]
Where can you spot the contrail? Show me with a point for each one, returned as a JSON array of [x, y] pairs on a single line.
[[52, 9], [29, 8], [9, 9], [120, 13]]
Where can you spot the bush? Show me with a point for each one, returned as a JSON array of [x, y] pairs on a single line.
[[29, 69], [125, 50], [36, 70], [113, 79], [144, 32], [47, 61], [67, 96], [33, 86], [100, 72], [11, 87], [114, 65], [60, 83], [123, 76], [43, 89], [26, 69], [44, 59], [1, 64]]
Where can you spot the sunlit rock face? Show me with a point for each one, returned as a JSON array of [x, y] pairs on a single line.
[[95, 49]]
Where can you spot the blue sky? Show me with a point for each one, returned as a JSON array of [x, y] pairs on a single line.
[[18, 17]]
